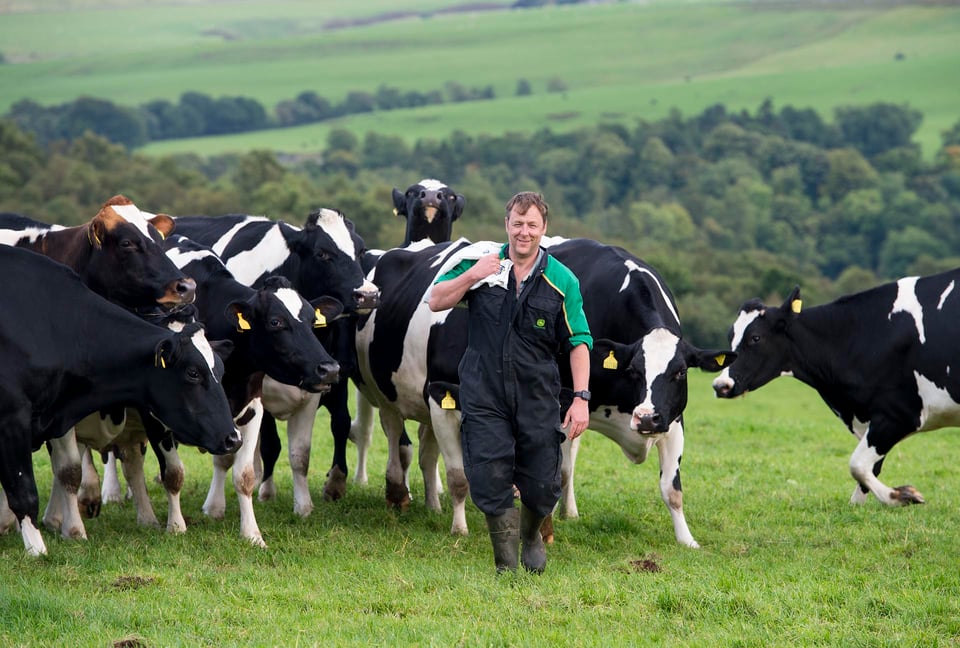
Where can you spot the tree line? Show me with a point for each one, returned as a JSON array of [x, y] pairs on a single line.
[[727, 205], [196, 114]]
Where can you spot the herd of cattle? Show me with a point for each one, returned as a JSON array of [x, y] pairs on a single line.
[[139, 328]]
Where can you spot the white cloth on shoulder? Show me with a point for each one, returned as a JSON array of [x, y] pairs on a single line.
[[473, 252]]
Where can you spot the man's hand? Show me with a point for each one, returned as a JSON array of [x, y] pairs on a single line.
[[486, 266], [578, 415]]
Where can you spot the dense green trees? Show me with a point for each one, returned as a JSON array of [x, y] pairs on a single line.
[[728, 206]]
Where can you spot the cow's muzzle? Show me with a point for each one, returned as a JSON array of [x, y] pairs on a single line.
[[182, 291]]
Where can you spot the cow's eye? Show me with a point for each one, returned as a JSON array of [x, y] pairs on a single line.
[[193, 374], [681, 375], [323, 255], [126, 243], [755, 339], [276, 322]]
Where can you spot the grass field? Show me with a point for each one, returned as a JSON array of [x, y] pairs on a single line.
[[785, 560], [620, 61]]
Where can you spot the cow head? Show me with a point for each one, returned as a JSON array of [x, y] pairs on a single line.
[[277, 325], [760, 336], [429, 207], [185, 394], [126, 263], [648, 378], [328, 249]]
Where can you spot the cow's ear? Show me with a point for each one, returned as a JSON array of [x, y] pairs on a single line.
[[223, 348], [96, 231], [458, 203], [164, 224], [793, 303], [608, 355], [327, 309], [399, 203], [163, 353], [240, 314], [445, 394], [709, 359]]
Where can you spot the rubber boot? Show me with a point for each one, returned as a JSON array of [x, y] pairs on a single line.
[[534, 554], [505, 537]]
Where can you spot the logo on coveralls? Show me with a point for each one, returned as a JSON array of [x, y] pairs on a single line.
[[540, 323]]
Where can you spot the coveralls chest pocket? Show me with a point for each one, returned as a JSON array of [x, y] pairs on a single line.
[[486, 302], [541, 315]]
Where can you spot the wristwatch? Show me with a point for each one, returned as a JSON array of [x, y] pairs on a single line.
[[584, 394]]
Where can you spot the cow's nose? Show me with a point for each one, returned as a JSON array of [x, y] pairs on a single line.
[[187, 289], [233, 442], [365, 298], [329, 372], [651, 421]]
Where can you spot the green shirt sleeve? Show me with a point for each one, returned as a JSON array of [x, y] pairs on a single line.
[[567, 284], [456, 270]]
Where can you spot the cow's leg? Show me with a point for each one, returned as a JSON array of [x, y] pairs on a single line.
[[171, 474], [299, 441], [429, 456], [20, 486], [269, 452], [398, 494], [65, 513], [336, 403], [8, 520], [361, 433], [88, 497], [244, 478], [446, 431], [215, 505], [110, 491], [670, 449], [865, 465], [568, 495], [131, 454]]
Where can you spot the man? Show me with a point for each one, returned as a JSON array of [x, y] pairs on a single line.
[[525, 306]]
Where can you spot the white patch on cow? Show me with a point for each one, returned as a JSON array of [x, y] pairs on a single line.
[[11, 237], [744, 319], [944, 295], [549, 241], [133, 215], [908, 303], [224, 240], [291, 300], [181, 258], [939, 409], [659, 348], [268, 255], [331, 222], [200, 341], [633, 267], [858, 427], [32, 540], [432, 185]]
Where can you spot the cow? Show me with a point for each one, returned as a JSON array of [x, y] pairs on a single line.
[[322, 259], [272, 330], [882, 360], [638, 367], [430, 208], [72, 353], [117, 254]]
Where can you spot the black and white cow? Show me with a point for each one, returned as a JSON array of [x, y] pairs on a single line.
[[881, 359], [72, 353], [118, 255], [430, 207], [322, 259], [638, 367]]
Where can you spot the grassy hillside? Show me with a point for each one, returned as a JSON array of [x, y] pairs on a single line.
[[620, 61]]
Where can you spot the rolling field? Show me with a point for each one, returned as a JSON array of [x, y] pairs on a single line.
[[785, 560], [620, 61]]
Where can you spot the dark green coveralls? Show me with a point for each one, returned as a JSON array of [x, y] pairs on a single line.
[[510, 384]]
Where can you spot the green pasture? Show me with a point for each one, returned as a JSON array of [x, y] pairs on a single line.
[[786, 561], [620, 61]]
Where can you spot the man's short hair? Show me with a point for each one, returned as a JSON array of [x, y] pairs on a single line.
[[524, 200]]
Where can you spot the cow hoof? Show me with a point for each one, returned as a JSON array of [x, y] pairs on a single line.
[[907, 495], [267, 491], [303, 510], [257, 541], [398, 496], [90, 509], [336, 485], [546, 530]]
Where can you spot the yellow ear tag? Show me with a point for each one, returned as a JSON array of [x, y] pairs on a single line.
[[720, 359], [610, 362], [158, 361], [321, 320], [448, 402], [796, 305], [242, 324]]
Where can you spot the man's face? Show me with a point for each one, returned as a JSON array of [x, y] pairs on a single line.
[[524, 232]]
